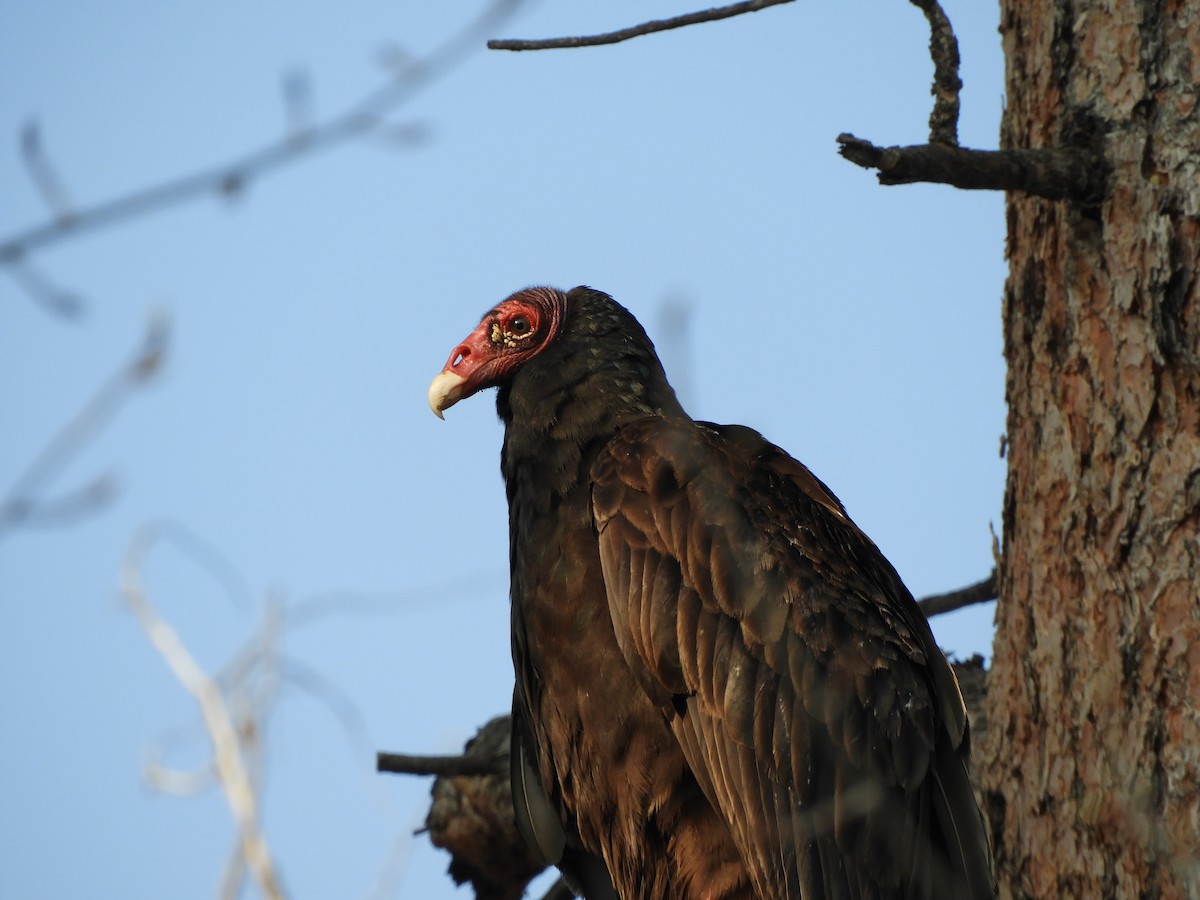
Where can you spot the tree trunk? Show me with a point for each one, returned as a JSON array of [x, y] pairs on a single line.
[[1091, 767]]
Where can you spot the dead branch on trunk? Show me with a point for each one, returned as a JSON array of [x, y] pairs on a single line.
[[1055, 173]]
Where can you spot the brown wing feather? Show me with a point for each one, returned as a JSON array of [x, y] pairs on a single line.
[[801, 680]]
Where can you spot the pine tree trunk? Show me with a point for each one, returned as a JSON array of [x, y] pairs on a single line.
[[1091, 767]]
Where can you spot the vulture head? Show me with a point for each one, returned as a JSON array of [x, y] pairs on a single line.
[[542, 344], [508, 336]]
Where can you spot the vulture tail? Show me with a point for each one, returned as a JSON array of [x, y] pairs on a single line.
[[537, 821], [968, 857]]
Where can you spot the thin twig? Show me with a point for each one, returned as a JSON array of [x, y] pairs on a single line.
[[979, 592], [66, 508], [232, 176], [299, 104], [449, 766], [43, 172], [39, 286], [248, 687], [337, 701], [943, 48], [467, 587], [624, 34]]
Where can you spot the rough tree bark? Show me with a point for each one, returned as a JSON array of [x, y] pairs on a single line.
[[1092, 763]]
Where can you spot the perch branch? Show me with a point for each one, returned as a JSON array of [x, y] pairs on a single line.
[[979, 592], [1053, 173], [448, 766], [624, 34]]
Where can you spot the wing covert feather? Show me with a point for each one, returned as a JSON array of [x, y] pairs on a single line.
[[799, 677]]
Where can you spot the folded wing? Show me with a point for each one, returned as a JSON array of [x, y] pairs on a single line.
[[802, 682]]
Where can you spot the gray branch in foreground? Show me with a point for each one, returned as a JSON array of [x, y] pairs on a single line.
[[624, 34]]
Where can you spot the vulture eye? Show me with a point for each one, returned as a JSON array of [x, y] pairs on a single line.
[[514, 331]]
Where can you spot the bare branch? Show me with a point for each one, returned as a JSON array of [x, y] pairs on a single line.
[[979, 592], [232, 176], [178, 782], [234, 875], [624, 34], [450, 766], [66, 508], [248, 688], [337, 701], [1055, 174], [57, 300], [298, 103], [23, 502]]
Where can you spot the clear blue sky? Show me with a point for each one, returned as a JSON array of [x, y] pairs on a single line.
[[855, 325]]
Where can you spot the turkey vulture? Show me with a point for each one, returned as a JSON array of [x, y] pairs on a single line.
[[723, 689]]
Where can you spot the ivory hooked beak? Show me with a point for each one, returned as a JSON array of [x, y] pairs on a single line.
[[445, 391]]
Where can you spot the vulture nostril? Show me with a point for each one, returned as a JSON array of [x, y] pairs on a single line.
[[459, 357]]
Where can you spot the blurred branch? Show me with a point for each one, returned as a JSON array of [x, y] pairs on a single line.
[[44, 173], [336, 700], [229, 742], [464, 588], [23, 503], [238, 701], [299, 104], [233, 176], [624, 34], [979, 592], [41, 288]]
